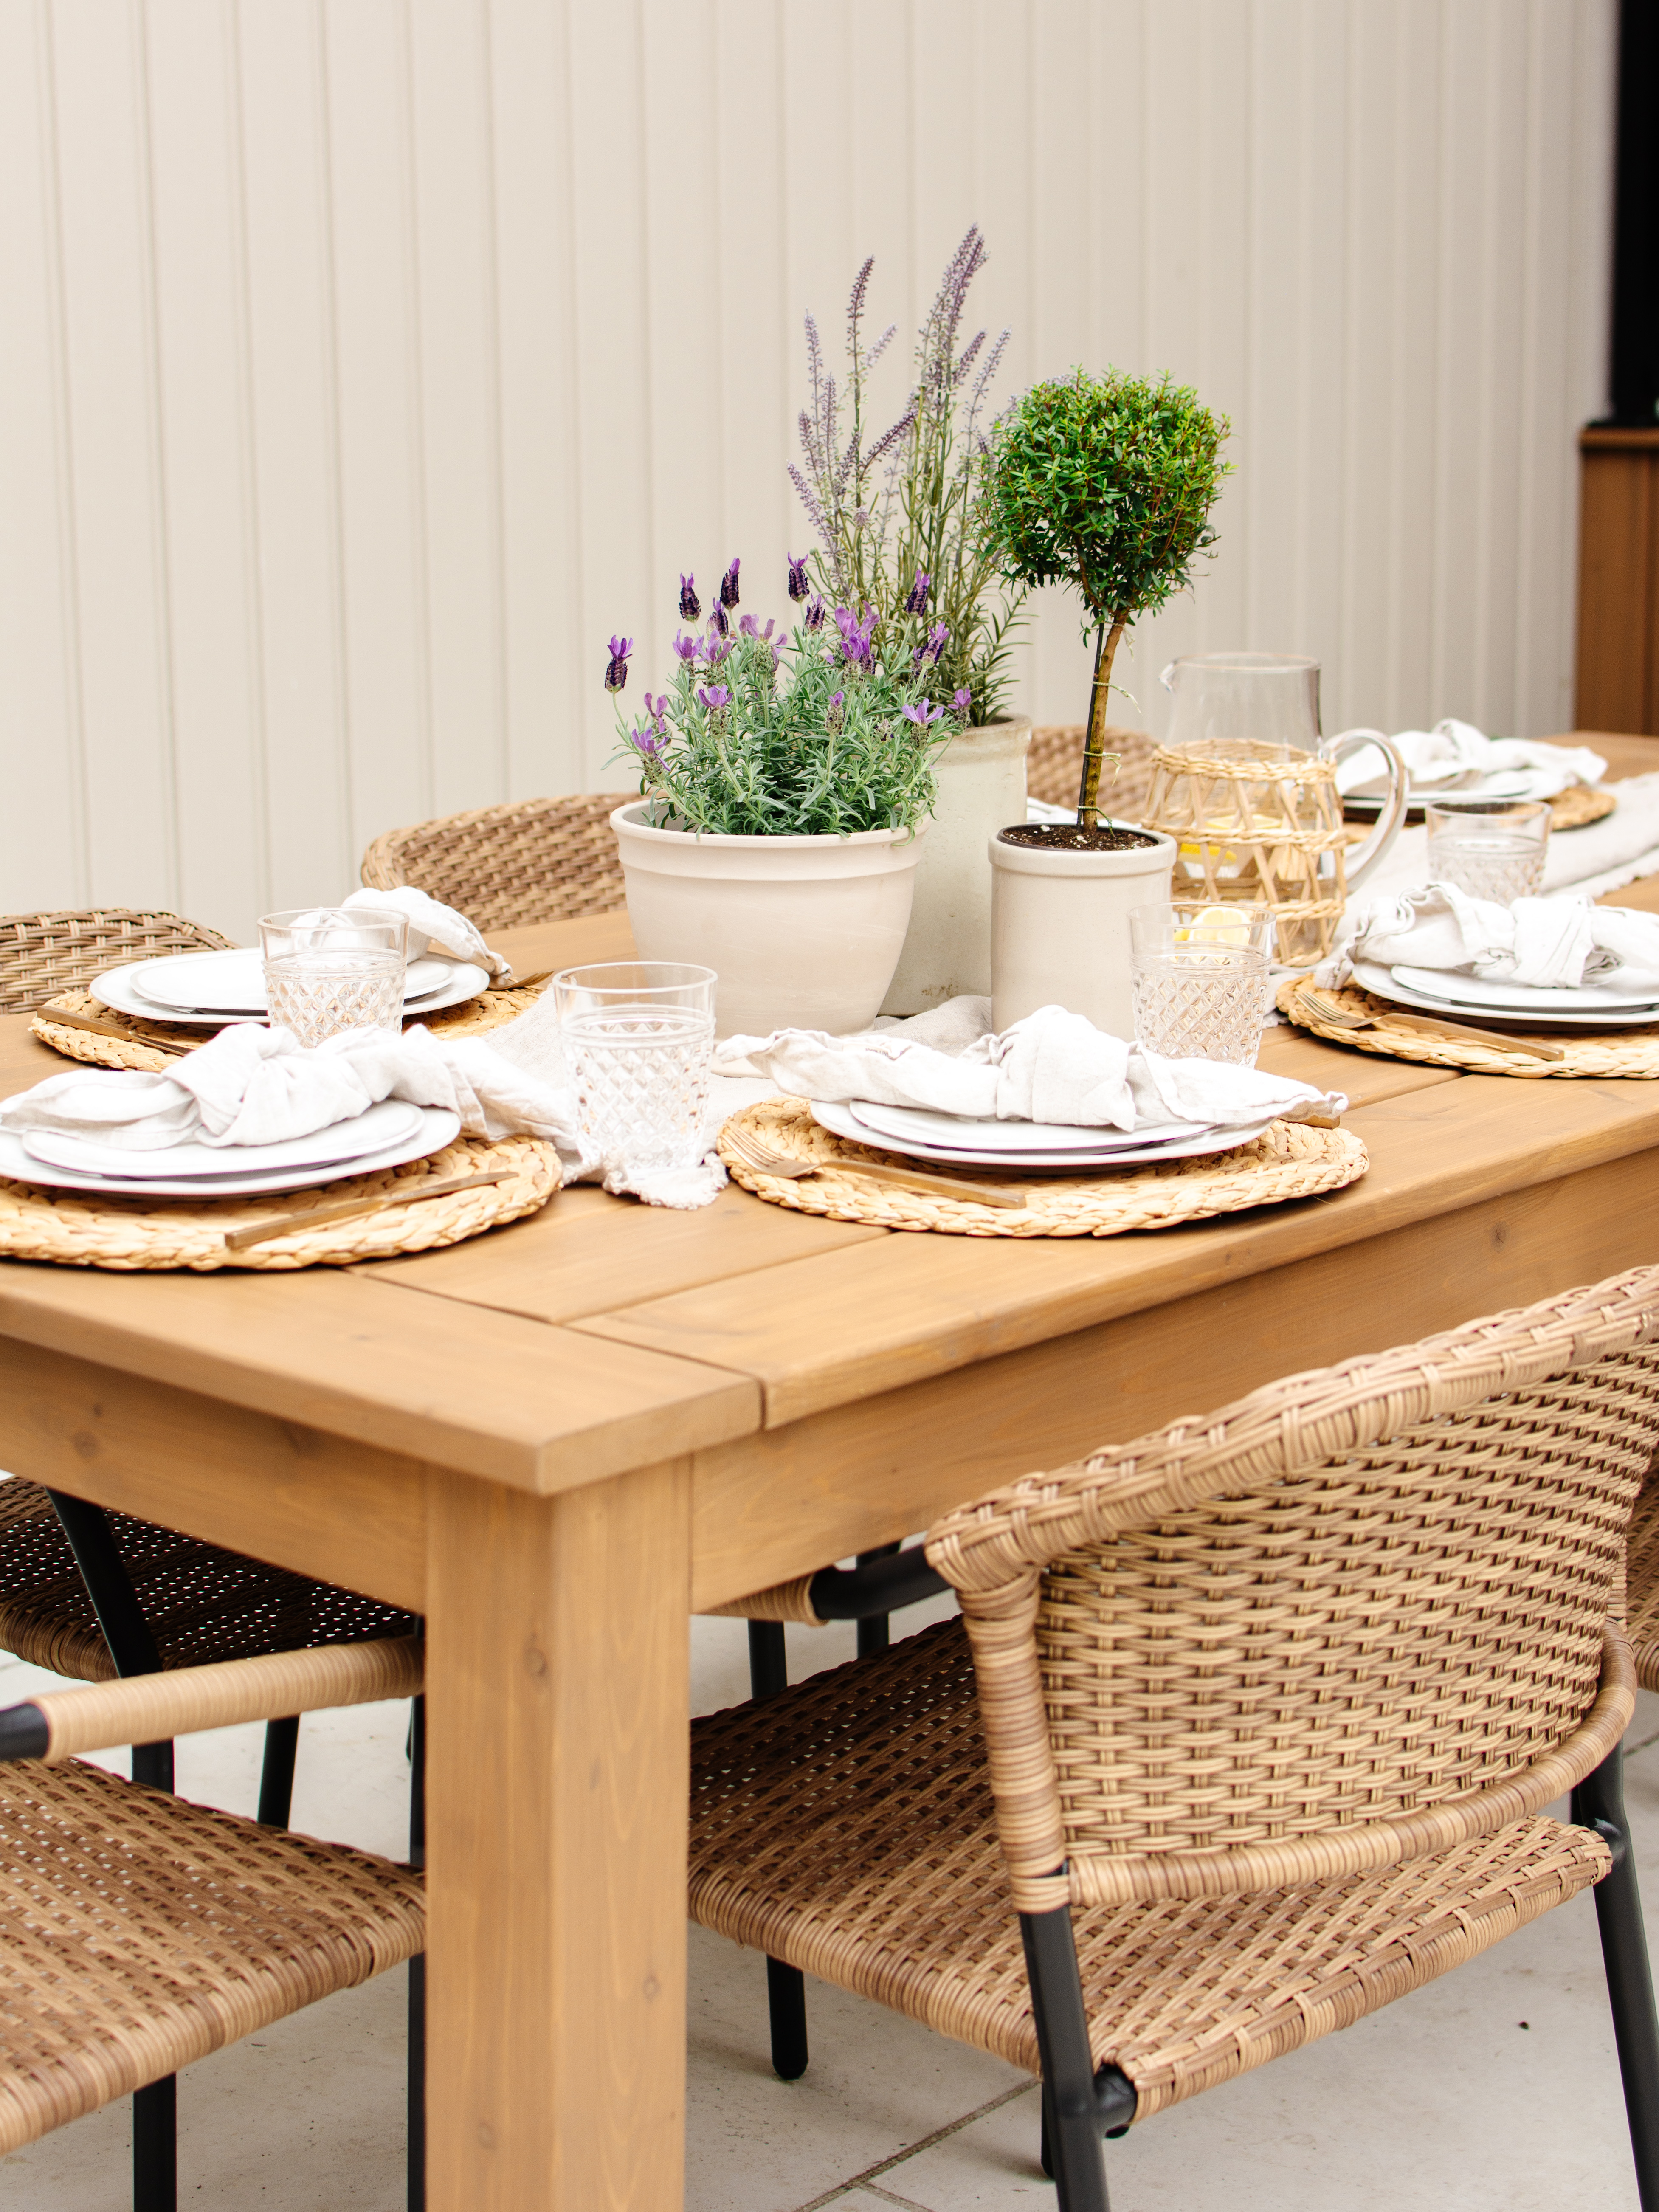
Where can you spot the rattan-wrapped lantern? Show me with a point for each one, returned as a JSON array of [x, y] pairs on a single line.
[[1261, 825]]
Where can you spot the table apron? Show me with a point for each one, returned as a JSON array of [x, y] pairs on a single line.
[[790, 1499]]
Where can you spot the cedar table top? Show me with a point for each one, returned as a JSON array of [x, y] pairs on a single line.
[[602, 1334]]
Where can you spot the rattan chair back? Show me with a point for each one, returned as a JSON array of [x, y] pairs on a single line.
[[1054, 768], [42, 954], [1354, 1618], [538, 860]]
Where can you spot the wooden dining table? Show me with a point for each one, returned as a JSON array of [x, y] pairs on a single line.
[[559, 1440]]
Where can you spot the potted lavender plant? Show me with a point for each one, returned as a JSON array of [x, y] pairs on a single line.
[[787, 783], [898, 520]]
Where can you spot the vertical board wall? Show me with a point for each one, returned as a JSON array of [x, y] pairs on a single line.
[[365, 363]]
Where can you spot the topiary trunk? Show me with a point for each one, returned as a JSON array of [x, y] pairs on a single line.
[[1095, 755]]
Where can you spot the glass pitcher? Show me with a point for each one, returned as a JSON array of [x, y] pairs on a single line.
[[1268, 701]]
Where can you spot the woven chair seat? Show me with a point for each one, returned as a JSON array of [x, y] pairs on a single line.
[[846, 1827], [1642, 1584], [201, 1604], [504, 867], [139, 1932], [42, 954], [1054, 768]]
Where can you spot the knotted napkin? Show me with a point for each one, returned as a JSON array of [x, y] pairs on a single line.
[[255, 1085], [433, 923], [1453, 749], [1550, 944], [1051, 1066]]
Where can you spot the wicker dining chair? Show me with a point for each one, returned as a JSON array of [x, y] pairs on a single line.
[[42, 954], [538, 860], [1247, 1729], [139, 1932], [1054, 768]]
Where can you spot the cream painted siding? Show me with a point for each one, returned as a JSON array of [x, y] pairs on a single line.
[[365, 363]]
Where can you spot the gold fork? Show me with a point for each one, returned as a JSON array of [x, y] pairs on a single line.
[[1346, 1018], [755, 1154]]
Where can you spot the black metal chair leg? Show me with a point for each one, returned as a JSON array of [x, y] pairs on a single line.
[[416, 2153], [1598, 1802], [786, 1990], [1069, 2107], [276, 1775], [875, 1633], [155, 2147]]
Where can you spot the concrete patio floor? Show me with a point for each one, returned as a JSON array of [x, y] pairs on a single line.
[[1495, 2089]]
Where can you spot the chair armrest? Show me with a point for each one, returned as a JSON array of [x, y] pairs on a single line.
[[882, 1585], [150, 1707]]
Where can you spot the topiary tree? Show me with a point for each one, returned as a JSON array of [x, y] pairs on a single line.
[[1105, 483]]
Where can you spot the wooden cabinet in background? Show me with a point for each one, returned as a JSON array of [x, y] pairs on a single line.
[[1618, 685]]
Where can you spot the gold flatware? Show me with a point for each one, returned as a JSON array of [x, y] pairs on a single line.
[[760, 1155], [1345, 1018], [64, 1019], [283, 1224]]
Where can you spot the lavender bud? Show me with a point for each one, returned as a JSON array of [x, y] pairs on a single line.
[[616, 674], [719, 620], [798, 585], [729, 586], [690, 606], [813, 618], [917, 602]]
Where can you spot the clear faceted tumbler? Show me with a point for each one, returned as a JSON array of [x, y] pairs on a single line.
[[330, 968], [1201, 976], [638, 1037]]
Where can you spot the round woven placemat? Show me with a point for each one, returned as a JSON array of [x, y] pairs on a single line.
[[138, 1045], [1580, 804], [1288, 1162], [1622, 1052], [77, 1229]]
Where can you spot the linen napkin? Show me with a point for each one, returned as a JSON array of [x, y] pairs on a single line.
[[1051, 1067], [1452, 749], [255, 1085], [1550, 944], [432, 923]]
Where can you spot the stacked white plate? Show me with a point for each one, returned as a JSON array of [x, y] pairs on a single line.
[[1513, 783], [919, 1133], [1463, 998], [382, 1136], [205, 990]]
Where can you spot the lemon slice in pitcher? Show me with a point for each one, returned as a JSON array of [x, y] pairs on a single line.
[[1214, 925]]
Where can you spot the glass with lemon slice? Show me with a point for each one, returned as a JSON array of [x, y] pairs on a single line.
[[1201, 977]]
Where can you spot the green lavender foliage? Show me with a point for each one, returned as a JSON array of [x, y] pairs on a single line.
[[785, 756], [908, 502], [1104, 483]]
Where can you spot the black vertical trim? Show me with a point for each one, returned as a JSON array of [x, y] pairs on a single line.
[[1635, 363]]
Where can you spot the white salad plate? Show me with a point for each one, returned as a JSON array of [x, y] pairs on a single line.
[[1510, 783], [375, 1130], [234, 982], [116, 989], [957, 1132], [1602, 1011], [439, 1128], [841, 1121]]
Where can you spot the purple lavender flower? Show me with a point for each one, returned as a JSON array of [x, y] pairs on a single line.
[[687, 647], [798, 585], [648, 741], [713, 697], [749, 628], [835, 712], [813, 618], [855, 636], [922, 715], [715, 648], [917, 602], [937, 639], [720, 622], [963, 700], [656, 708], [729, 586], [617, 674], [690, 606]]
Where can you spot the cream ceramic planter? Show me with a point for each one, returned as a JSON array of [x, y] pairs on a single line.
[[947, 948], [1060, 928], [804, 933]]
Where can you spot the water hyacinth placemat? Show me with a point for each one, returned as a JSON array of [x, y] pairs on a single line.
[[1620, 1052]]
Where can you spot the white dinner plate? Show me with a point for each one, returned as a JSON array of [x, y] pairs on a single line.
[[234, 982], [1384, 983], [375, 1130], [116, 989], [841, 1121], [957, 1132], [1523, 998], [439, 1128], [1512, 783]]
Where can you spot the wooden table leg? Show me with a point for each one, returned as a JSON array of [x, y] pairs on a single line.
[[557, 1710]]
